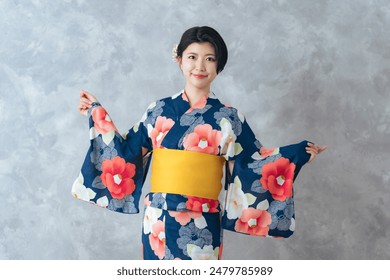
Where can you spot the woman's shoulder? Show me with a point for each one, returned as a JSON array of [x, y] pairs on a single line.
[[156, 107], [227, 108], [168, 99]]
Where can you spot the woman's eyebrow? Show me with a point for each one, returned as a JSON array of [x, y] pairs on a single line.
[[206, 54]]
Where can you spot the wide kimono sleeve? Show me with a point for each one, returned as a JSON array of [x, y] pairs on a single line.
[[260, 198], [114, 168]]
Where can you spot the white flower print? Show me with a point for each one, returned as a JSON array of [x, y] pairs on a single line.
[[102, 201], [200, 222], [205, 253], [228, 138], [150, 218], [93, 133], [237, 200], [80, 191]]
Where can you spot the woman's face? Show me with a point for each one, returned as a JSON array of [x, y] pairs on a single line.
[[199, 65]]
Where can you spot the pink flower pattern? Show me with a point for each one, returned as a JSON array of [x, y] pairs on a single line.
[[184, 217], [161, 128], [204, 139], [254, 222], [157, 239]]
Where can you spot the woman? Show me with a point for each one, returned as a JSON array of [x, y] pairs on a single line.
[[191, 136]]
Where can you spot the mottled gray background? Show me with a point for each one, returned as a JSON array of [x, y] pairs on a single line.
[[317, 70]]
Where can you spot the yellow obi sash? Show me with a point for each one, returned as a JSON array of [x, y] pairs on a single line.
[[187, 173]]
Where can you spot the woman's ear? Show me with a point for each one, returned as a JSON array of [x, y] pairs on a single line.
[[178, 60]]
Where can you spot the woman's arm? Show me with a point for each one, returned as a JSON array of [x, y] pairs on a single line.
[[114, 168], [86, 100]]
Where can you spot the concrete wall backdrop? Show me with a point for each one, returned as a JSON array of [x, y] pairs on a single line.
[[301, 69]]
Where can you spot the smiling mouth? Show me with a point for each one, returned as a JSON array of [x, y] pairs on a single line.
[[199, 76]]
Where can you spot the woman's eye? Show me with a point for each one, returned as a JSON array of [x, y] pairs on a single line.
[[210, 59], [191, 57]]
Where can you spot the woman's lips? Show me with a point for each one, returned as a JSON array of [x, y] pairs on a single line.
[[199, 76]]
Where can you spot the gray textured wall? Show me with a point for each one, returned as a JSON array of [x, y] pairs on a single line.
[[317, 70]]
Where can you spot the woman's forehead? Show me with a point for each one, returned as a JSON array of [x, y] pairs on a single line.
[[200, 48]]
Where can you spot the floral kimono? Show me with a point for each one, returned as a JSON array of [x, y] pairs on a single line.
[[257, 197]]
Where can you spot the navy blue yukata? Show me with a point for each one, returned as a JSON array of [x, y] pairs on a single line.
[[257, 197]]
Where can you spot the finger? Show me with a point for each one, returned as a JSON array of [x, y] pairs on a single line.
[[88, 95], [317, 148], [322, 149], [311, 150], [312, 157], [85, 94], [82, 110], [87, 105], [85, 100], [312, 147]]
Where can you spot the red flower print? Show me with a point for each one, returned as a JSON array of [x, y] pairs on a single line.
[[161, 128], [117, 177], [198, 204], [204, 139], [254, 222], [184, 217], [102, 121], [277, 178], [157, 239]]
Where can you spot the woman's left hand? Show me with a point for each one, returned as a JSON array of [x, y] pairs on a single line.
[[314, 150]]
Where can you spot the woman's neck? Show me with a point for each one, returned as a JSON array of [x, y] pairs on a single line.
[[194, 94]]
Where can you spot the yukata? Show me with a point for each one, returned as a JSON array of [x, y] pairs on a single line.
[[256, 197]]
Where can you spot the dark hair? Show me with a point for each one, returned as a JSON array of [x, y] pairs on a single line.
[[200, 34]]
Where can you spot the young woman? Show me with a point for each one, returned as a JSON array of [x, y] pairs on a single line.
[[193, 137]]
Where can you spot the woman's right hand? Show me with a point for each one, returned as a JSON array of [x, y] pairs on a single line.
[[86, 100]]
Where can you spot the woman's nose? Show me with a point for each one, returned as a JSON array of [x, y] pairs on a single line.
[[200, 65]]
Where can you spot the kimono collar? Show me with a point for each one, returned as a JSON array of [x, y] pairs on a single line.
[[200, 104]]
